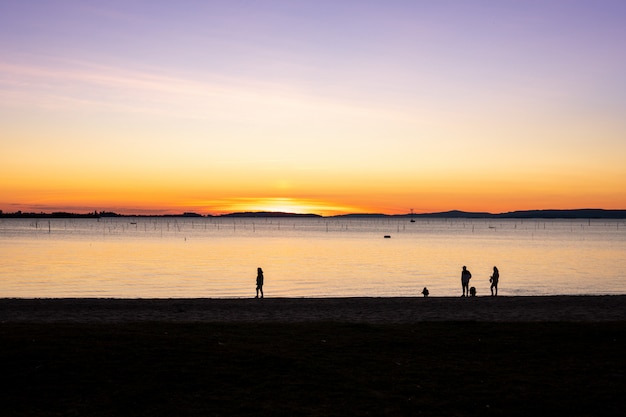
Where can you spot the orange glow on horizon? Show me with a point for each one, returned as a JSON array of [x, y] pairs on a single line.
[[360, 192], [383, 204]]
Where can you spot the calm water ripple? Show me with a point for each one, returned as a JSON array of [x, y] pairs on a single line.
[[217, 257]]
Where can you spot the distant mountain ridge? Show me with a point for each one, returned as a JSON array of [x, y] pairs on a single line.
[[452, 214], [520, 214], [566, 214]]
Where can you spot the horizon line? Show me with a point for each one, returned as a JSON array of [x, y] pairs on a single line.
[[621, 213]]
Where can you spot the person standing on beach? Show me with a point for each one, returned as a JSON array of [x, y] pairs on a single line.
[[259, 282], [494, 280], [466, 275]]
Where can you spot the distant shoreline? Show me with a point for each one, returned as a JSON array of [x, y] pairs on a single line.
[[452, 214]]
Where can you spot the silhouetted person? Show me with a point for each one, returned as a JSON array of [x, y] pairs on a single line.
[[466, 275], [425, 292], [473, 291], [494, 280], [259, 282]]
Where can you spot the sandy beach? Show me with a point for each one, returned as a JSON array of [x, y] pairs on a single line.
[[293, 310], [504, 356]]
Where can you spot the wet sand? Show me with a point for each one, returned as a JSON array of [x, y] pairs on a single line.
[[293, 310], [504, 356]]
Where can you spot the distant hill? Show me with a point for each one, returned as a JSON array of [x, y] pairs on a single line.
[[459, 214], [522, 214], [565, 214]]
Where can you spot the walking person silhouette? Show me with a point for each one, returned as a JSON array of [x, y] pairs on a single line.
[[494, 281], [259, 282]]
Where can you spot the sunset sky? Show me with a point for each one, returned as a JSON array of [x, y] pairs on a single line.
[[327, 107]]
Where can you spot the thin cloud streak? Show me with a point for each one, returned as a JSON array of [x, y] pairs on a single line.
[[165, 95]]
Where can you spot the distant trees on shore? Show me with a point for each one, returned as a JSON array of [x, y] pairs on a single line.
[[59, 214]]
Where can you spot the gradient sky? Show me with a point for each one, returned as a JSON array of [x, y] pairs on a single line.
[[312, 106]]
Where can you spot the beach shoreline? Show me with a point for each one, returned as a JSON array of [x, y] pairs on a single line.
[[563, 308]]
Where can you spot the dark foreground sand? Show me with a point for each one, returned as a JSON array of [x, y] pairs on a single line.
[[505, 356]]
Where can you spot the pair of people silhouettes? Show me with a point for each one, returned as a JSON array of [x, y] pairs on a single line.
[[466, 275]]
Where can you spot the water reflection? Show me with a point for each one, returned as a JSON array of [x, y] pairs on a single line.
[[218, 257]]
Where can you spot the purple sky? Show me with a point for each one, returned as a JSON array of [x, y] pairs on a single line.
[[309, 92]]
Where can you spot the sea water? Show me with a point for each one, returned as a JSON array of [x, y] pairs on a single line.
[[217, 257]]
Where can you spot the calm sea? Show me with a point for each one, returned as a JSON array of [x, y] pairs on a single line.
[[217, 257]]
